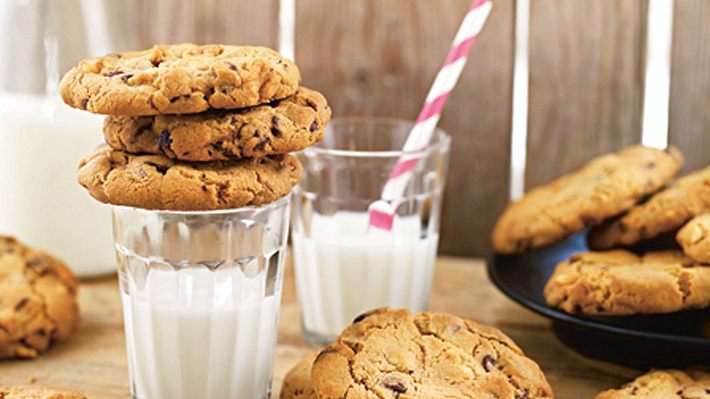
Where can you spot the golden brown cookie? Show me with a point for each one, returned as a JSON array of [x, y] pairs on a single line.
[[620, 282], [156, 182], [665, 211], [297, 383], [603, 188], [291, 124], [694, 237], [664, 384], [179, 79], [38, 304], [36, 392], [389, 353]]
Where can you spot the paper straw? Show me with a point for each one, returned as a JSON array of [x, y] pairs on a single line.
[[382, 212]]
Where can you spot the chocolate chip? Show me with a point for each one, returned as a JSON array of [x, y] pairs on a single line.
[[174, 99], [275, 130], [34, 262], [394, 384], [489, 363], [162, 169], [21, 304], [231, 66], [262, 144], [114, 73], [84, 103], [314, 127], [164, 140], [360, 318], [312, 104], [126, 77], [156, 63]]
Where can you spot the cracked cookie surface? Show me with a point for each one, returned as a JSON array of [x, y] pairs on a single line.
[[280, 127], [620, 282], [603, 188], [390, 353], [694, 237], [156, 182], [664, 384], [297, 383], [179, 79], [38, 305], [37, 392], [665, 211]]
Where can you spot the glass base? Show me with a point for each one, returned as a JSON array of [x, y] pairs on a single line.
[[267, 396], [315, 339]]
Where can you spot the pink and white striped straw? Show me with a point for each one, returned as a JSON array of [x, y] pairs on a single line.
[[382, 212]]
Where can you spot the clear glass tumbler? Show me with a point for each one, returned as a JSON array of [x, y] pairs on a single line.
[[343, 267], [201, 296]]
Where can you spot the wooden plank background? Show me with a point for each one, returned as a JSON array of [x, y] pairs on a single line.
[[586, 82], [378, 57], [690, 82]]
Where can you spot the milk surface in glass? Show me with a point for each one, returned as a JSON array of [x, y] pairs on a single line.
[[343, 269]]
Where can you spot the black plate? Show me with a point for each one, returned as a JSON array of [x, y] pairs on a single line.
[[672, 340]]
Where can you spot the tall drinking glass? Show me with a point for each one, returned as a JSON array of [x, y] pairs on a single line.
[[343, 267], [201, 295]]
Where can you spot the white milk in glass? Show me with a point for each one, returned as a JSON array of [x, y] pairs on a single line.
[[41, 144], [197, 333], [343, 270]]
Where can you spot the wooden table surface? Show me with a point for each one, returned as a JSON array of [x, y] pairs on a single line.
[[94, 360]]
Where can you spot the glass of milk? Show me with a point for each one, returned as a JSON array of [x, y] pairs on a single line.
[[201, 295], [342, 267]]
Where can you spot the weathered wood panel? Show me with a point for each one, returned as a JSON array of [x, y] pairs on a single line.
[[586, 82], [379, 57], [253, 22], [689, 117]]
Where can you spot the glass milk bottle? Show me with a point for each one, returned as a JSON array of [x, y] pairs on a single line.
[[42, 140]]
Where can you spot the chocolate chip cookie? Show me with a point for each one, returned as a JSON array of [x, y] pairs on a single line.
[[38, 304], [389, 353], [35, 392], [620, 282], [179, 79], [666, 211], [280, 127], [156, 182], [297, 383], [664, 384], [603, 188], [694, 237]]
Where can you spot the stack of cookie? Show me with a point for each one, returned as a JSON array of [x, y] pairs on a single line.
[[195, 127], [631, 203], [388, 353]]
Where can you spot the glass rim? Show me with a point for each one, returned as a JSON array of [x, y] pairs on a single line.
[[215, 212], [443, 140]]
